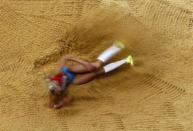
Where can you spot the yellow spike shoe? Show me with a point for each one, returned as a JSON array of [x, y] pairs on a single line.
[[129, 60], [119, 44]]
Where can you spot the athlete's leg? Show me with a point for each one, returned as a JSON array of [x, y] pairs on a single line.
[[112, 66], [87, 77], [111, 51], [91, 66], [101, 60]]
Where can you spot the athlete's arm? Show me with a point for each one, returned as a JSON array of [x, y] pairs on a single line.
[[62, 63]]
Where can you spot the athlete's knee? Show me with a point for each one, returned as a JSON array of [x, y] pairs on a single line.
[[98, 64], [99, 71]]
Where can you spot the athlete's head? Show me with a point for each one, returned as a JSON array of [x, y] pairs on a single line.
[[57, 83]]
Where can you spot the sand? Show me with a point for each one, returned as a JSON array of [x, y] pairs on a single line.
[[155, 94]]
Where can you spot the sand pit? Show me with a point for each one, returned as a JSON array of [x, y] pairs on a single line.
[[156, 94]]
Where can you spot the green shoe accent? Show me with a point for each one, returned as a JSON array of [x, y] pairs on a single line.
[[119, 44], [129, 60]]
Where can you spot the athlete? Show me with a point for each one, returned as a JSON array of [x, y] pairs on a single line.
[[84, 72]]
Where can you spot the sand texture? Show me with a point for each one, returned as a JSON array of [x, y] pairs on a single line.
[[154, 95]]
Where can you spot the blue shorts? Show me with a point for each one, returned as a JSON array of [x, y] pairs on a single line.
[[71, 76]]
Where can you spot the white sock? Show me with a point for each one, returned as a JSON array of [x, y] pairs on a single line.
[[110, 52], [114, 65]]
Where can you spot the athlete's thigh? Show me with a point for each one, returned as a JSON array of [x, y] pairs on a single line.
[[87, 77], [93, 66], [84, 78], [78, 68]]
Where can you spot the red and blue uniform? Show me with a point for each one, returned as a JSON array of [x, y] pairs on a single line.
[[60, 77]]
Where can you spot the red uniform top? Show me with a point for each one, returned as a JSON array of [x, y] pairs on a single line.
[[58, 78]]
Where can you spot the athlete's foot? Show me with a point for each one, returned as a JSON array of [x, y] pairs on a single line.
[[129, 60], [119, 44]]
